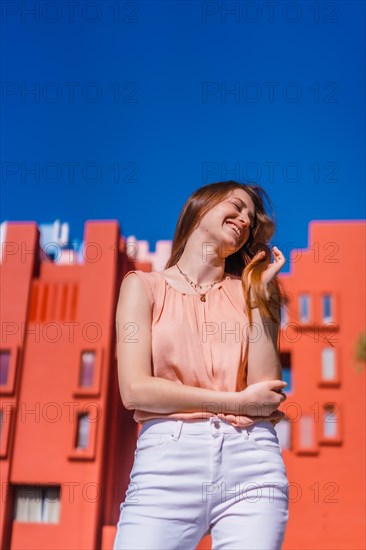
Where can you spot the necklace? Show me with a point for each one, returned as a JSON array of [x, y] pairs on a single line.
[[194, 285]]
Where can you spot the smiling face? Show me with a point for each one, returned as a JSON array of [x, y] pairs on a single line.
[[229, 222]]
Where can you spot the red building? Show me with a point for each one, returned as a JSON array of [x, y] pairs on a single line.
[[67, 443]]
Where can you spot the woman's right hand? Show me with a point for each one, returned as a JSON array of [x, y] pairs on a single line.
[[261, 398]]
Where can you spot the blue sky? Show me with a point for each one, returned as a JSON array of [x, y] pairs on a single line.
[[137, 104]]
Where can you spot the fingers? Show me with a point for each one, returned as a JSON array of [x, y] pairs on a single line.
[[284, 396], [281, 384], [278, 254], [279, 390]]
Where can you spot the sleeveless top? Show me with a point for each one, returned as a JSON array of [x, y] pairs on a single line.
[[201, 344]]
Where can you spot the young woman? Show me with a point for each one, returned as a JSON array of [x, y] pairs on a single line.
[[198, 362]]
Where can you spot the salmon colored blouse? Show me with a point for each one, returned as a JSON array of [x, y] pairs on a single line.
[[202, 344]]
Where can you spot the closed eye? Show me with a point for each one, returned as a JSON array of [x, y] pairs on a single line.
[[250, 216]]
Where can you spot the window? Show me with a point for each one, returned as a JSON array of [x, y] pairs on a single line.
[[283, 429], [88, 372], [285, 359], [304, 307], [8, 364], [4, 367], [328, 364], [329, 375], [306, 436], [330, 427], [34, 503], [306, 432], [327, 308], [83, 431], [87, 369], [330, 421], [84, 434]]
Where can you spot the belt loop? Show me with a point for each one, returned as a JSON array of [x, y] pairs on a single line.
[[177, 430]]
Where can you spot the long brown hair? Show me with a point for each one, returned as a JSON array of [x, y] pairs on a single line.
[[241, 263]]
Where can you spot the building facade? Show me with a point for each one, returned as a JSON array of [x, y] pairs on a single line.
[[67, 442]]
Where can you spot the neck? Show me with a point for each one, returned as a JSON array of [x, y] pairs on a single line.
[[201, 263]]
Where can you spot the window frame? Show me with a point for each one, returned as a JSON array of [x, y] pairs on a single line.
[[9, 388], [94, 389], [88, 453]]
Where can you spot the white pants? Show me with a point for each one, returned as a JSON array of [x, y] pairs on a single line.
[[192, 478]]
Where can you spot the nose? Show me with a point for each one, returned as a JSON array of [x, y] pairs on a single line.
[[245, 222]]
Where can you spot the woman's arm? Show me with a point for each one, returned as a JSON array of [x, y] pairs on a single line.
[[263, 359], [159, 395]]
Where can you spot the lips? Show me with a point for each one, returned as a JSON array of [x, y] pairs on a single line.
[[234, 228]]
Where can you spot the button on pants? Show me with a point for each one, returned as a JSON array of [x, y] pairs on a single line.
[[193, 478]]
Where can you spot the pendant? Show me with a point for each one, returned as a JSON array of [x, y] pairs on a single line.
[[203, 298]]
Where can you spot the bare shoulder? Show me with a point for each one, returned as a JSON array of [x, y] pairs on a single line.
[[138, 288], [132, 287], [140, 275]]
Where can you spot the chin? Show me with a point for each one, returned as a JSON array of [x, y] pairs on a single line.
[[229, 249]]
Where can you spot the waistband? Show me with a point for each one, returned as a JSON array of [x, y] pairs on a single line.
[[192, 427]]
